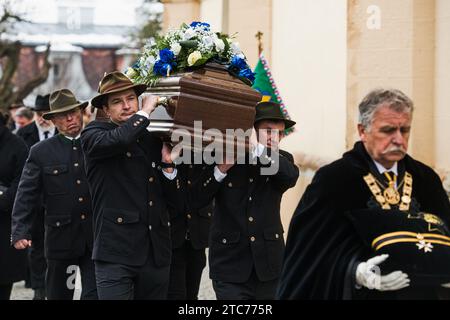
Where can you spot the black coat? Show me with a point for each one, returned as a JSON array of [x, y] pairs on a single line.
[[323, 248], [246, 230], [190, 223], [30, 134], [129, 192], [13, 153], [55, 171]]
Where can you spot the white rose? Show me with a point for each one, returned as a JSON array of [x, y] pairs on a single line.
[[220, 45], [130, 73], [208, 42], [149, 63], [194, 57], [150, 60], [235, 49], [188, 34], [176, 48]]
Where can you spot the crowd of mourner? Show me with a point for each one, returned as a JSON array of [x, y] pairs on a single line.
[[107, 197]]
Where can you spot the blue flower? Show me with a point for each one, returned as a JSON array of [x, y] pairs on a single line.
[[161, 68], [206, 26], [166, 55], [247, 73], [239, 63]]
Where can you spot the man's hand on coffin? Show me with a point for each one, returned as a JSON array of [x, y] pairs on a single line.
[[149, 103], [368, 274], [228, 162]]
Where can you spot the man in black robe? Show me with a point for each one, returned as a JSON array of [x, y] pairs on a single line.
[[325, 256]]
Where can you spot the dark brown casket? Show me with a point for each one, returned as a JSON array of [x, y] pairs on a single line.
[[209, 94]]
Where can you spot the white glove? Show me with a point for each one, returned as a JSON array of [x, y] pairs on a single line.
[[445, 285], [368, 275]]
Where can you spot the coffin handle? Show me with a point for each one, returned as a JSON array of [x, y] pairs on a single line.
[[169, 103]]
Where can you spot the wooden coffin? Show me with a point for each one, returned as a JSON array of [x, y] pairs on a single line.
[[210, 95]]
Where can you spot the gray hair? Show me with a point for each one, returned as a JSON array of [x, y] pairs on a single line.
[[393, 98], [25, 112]]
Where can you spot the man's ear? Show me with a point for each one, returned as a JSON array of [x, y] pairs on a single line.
[[362, 132]]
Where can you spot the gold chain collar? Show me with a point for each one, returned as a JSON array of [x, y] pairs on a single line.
[[390, 195]]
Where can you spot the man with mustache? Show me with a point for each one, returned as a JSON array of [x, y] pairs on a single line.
[[327, 256]]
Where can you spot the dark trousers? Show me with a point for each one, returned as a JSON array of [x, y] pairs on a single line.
[[121, 282], [185, 272], [36, 259], [60, 278], [5, 291], [252, 289]]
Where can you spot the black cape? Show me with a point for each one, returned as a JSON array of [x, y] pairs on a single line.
[[323, 248]]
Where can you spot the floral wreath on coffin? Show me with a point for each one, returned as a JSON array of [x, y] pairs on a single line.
[[184, 49]]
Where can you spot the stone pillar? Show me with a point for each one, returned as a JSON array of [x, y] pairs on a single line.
[[246, 18], [442, 92], [391, 44], [309, 55], [178, 11]]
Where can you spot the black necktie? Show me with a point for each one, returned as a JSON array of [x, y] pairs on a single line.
[[46, 133]]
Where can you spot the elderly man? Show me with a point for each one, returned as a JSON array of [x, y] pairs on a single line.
[[374, 187], [54, 171], [131, 179], [23, 117], [246, 241], [40, 129]]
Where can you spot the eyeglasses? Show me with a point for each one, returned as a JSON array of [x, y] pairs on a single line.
[[66, 114]]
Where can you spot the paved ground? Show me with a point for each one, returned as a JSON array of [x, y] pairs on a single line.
[[206, 291]]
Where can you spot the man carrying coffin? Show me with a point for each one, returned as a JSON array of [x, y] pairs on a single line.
[[373, 224], [246, 238], [132, 180]]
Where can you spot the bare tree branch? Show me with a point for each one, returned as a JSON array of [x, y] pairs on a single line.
[[9, 63], [38, 80]]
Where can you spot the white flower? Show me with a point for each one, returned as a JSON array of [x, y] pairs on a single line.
[[150, 60], [176, 48], [130, 73], [189, 34], [194, 57], [208, 42], [220, 45], [149, 63], [235, 49]]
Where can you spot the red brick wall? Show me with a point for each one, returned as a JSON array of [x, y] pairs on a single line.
[[96, 62]]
